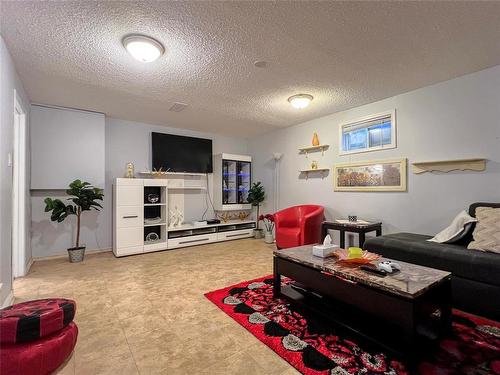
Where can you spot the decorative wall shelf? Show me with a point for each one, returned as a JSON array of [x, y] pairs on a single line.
[[309, 149], [322, 171], [477, 164]]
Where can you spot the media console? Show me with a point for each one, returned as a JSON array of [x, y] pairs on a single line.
[[136, 219]]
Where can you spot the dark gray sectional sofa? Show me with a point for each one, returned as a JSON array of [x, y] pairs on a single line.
[[475, 274]]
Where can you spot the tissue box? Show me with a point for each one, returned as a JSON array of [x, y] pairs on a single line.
[[324, 251]]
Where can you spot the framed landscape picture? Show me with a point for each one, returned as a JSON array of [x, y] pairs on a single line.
[[377, 175]]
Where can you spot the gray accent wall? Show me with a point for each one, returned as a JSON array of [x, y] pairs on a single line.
[[9, 81], [125, 141], [455, 119], [66, 144]]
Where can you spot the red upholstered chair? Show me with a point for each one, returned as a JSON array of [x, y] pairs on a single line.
[[298, 225]]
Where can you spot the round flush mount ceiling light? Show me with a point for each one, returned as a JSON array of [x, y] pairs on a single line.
[[300, 101], [143, 48]]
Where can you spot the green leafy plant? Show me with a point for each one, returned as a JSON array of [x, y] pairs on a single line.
[[256, 196], [83, 197]]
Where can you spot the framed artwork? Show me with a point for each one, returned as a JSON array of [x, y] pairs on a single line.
[[372, 175]]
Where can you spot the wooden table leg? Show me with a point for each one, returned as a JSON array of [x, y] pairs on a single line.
[[276, 279], [361, 239], [445, 306]]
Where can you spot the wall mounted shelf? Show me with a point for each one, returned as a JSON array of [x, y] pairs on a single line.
[[166, 174], [309, 149], [476, 164], [322, 171]]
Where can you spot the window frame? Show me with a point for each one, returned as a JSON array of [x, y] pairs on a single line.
[[393, 144]]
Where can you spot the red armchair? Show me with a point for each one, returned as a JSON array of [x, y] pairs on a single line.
[[298, 225]]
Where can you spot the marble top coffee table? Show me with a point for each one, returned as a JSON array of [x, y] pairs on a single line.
[[396, 312]]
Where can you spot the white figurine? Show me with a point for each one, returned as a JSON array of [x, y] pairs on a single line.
[[180, 217], [174, 218]]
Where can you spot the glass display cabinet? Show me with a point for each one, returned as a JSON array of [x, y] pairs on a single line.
[[232, 179]]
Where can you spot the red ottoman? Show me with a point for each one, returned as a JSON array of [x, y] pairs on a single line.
[[36, 337]]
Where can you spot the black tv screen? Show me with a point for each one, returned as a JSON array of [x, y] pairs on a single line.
[[177, 153]]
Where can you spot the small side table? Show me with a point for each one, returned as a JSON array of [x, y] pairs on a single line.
[[352, 227]]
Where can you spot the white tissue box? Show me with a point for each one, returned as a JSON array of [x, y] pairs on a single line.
[[324, 251]]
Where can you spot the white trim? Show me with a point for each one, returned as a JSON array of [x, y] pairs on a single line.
[[9, 300], [18, 242], [28, 265], [394, 143], [59, 256]]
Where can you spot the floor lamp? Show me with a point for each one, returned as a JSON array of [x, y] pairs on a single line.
[[277, 157]]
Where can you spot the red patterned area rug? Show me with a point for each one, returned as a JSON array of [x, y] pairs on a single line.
[[313, 347]]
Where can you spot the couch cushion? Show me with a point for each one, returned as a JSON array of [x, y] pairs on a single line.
[[487, 232], [414, 248]]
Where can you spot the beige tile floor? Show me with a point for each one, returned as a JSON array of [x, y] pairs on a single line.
[[146, 314]]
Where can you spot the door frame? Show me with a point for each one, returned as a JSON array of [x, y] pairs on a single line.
[[18, 240]]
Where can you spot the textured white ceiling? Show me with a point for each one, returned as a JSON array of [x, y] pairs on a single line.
[[343, 53]]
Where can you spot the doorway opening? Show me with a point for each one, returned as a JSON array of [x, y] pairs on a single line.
[[18, 162]]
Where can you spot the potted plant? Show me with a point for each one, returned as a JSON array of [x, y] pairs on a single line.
[[84, 197], [256, 196], [268, 220]]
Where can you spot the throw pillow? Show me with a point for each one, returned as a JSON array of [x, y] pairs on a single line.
[[456, 230], [487, 232]]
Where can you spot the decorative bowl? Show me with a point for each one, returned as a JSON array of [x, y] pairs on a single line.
[[151, 237], [153, 198], [366, 257]]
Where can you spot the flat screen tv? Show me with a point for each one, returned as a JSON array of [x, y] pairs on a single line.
[[177, 153]]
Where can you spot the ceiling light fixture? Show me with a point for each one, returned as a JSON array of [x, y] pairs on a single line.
[[143, 48], [300, 101]]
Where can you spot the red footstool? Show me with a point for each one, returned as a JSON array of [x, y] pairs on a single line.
[[36, 337]]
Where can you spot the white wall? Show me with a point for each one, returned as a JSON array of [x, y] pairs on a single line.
[[9, 81], [456, 119], [125, 142]]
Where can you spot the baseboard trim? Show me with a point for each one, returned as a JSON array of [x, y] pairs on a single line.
[[9, 300], [28, 266], [87, 252]]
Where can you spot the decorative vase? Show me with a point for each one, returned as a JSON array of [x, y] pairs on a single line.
[[314, 164], [258, 233], [76, 254], [268, 237], [315, 141]]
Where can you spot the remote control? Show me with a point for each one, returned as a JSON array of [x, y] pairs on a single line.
[[373, 269]]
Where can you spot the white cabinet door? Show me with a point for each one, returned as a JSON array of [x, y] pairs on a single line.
[[129, 195], [129, 216], [127, 237]]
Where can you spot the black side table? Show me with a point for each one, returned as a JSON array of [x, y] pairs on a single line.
[[352, 227]]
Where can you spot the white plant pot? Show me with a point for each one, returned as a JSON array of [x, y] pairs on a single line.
[[268, 237]]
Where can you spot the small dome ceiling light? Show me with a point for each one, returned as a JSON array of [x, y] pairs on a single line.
[[300, 101], [143, 48]]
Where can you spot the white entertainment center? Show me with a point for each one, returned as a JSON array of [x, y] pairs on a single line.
[[147, 212]]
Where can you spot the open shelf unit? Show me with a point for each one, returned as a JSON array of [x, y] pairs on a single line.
[[136, 200]]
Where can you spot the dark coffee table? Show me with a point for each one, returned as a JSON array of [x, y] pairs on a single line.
[[398, 313]]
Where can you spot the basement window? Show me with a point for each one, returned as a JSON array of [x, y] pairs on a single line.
[[372, 133]]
